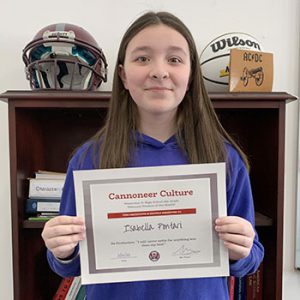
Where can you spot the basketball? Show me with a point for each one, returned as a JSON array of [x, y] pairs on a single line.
[[214, 58]]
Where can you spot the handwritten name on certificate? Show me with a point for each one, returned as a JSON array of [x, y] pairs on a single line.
[[151, 223]]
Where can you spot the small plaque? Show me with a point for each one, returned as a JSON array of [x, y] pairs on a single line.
[[250, 71]]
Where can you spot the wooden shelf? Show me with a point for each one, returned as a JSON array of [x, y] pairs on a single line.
[[46, 126], [33, 224], [262, 220]]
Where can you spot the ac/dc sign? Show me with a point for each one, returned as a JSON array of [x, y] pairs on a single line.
[[250, 71]]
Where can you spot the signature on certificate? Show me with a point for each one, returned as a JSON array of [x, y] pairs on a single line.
[[123, 255], [183, 250]]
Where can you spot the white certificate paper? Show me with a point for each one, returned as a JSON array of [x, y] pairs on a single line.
[[151, 223]]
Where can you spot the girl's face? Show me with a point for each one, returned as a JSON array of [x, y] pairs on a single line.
[[156, 70]]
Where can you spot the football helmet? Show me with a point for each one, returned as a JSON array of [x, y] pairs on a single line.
[[64, 56]]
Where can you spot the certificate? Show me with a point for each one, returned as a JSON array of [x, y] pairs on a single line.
[[151, 223]]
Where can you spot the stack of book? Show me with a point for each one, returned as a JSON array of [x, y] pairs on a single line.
[[248, 287], [45, 191]]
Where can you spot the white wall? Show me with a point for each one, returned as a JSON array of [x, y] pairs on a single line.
[[275, 23]]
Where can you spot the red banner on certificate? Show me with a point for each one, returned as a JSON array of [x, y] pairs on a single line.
[[153, 213]]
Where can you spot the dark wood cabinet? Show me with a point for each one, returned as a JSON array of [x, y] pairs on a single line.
[[45, 127]]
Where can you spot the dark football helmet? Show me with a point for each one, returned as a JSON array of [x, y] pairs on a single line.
[[64, 56]]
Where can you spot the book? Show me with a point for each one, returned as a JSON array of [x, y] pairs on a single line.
[[42, 217], [45, 188], [74, 288], [257, 293], [240, 288], [42, 205], [48, 214], [42, 174], [81, 295], [249, 287], [39, 219], [63, 288], [231, 282]]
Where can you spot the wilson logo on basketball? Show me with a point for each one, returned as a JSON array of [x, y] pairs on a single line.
[[234, 41]]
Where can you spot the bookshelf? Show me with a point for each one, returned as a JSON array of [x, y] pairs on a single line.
[[45, 127]]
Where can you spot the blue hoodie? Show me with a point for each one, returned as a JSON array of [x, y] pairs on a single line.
[[150, 152]]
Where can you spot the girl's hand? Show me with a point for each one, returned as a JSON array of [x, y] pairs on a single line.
[[237, 234], [61, 235]]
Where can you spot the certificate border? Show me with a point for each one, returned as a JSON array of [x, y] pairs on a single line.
[[86, 184]]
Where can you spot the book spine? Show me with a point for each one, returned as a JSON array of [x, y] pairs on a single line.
[[240, 288], [45, 188], [249, 286], [39, 219], [49, 175], [63, 288], [81, 293], [34, 206], [71, 295], [231, 283], [258, 284]]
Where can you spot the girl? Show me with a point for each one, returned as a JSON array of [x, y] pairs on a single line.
[[160, 114]]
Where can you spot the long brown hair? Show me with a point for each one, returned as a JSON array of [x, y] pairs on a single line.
[[199, 132]]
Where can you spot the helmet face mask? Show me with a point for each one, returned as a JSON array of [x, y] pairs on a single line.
[[60, 74], [64, 56]]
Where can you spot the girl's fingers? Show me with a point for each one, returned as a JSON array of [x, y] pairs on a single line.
[[234, 225], [64, 251], [61, 235], [65, 230], [65, 220], [235, 229], [240, 240], [61, 226], [62, 241], [237, 234], [236, 252]]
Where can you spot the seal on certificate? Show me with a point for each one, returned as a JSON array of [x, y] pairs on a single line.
[[154, 256]]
